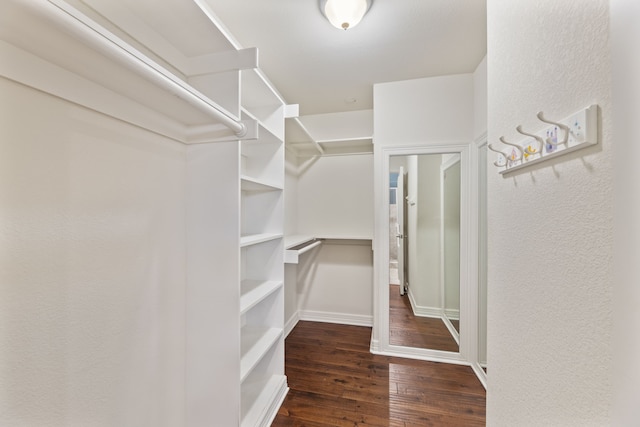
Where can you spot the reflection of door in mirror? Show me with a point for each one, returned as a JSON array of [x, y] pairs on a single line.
[[397, 228], [450, 179], [417, 317]]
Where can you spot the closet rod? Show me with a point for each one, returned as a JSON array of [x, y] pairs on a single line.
[[99, 38], [309, 247]]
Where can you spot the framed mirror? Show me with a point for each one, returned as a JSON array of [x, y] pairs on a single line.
[[421, 252]]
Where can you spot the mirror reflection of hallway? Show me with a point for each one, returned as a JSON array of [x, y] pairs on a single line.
[[422, 313]]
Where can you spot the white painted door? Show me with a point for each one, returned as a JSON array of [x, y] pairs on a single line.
[[400, 233]]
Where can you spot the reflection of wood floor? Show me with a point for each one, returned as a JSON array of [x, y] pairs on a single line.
[[335, 381], [411, 331]]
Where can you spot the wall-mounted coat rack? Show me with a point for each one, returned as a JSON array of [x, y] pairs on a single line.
[[579, 130]]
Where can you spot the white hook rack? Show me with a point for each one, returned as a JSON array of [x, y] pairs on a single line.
[[579, 130]]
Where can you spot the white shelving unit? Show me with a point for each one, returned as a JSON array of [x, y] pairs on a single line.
[[136, 62], [262, 253]]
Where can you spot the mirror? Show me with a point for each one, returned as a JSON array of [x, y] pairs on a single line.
[[424, 250]]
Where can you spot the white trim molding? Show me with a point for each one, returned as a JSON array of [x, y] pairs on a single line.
[[339, 318]]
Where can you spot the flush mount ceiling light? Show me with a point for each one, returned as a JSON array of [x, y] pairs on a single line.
[[344, 14]]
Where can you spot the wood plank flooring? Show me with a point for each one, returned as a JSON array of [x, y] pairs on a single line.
[[412, 331], [335, 381]]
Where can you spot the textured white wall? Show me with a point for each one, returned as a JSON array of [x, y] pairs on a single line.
[[480, 99], [625, 33], [550, 227], [93, 268]]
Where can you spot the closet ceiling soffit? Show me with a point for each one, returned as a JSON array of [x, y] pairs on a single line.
[[327, 70]]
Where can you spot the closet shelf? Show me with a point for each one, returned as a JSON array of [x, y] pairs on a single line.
[[111, 62], [254, 239], [260, 99], [293, 251], [296, 239], [254, 291], [273, 389], [268, 132], [254, 344], [251, 184]]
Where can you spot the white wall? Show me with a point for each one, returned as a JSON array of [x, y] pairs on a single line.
[[429, 110], [334, 283], [424, 226], [451, 238], [480, 99], [290, 228], [93, 268], [550, 227], [335, 197], [331, 197], [625, 33], [290, 198], [479, 135]]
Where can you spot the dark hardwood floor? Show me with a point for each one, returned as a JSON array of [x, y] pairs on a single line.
[[409, 330], [335, 381]]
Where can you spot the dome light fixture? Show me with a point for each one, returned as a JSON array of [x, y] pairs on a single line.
[[344, 14]]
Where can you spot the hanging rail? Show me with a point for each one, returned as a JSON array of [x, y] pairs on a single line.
[[99, 38]]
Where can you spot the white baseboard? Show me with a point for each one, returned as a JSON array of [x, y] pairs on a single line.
[[374, 347], [275, 401], [291, 323], [423, 311], [452, 313], [340, 318]]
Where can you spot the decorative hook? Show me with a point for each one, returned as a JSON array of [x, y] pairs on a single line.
[[512, 157], [502, 158], [527, 149], [565, 128]]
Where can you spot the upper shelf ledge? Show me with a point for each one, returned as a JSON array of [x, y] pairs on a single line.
[[90, 60], [97, 37]]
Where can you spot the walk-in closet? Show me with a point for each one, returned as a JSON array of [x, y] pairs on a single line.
[[243, 213]]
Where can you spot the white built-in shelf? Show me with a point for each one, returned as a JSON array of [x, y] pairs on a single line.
[[254, 291], [260, 97], [273, 390], [267, 133], [345, 237], [254, 344], [251, 184], [296, 245], [254, 239], [295, 240], [139, 83]]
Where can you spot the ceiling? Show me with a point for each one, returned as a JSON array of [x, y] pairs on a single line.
[[327, 70]]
